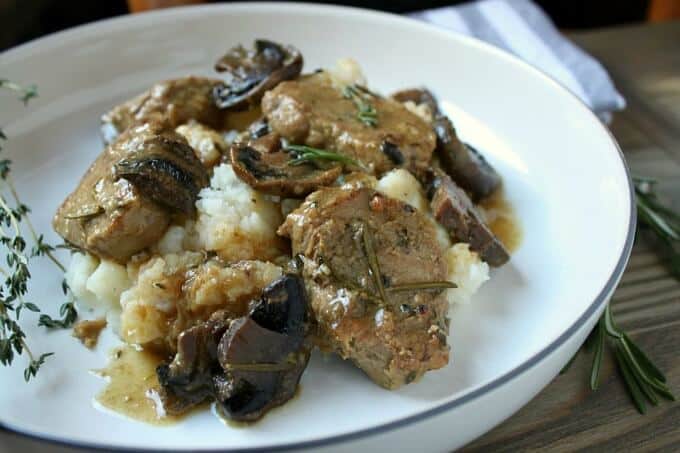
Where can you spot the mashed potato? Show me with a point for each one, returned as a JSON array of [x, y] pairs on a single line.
[[235, 221], [465, 268], [176, 291], [346, 72], [208, 144]]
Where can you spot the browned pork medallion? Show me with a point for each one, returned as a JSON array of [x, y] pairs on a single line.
[[368, 262], [128, 196], [378, 132]]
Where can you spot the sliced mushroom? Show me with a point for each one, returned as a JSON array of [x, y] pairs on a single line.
[[454, 210], [264, 354], [188, 379], [271, 172], [418, 96], [167, 171], [249, 364], [460, 161], [464, 163], [249, 73]]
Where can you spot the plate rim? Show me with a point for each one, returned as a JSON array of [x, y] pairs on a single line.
[[600, 300]]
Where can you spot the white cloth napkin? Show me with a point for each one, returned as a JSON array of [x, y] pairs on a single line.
[[523, 29]]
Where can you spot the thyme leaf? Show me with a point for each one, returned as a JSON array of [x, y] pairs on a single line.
[[14, 217], [359, 95]]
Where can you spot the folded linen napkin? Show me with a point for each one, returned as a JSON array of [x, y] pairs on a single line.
[[522, 28]]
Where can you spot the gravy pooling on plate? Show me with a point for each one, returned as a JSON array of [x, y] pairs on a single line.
[[233, 224]]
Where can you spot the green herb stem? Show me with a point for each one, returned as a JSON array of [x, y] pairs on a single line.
[[359, 95], [304, 154], [422, 286]]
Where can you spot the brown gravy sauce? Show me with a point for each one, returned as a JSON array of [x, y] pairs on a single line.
[[502, 220], [132, 388]]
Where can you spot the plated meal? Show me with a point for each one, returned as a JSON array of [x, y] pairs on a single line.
[[232, 225]]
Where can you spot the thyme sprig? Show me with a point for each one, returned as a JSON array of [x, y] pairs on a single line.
[[366, 113], [644, 381], [304, 154], [14, 215]]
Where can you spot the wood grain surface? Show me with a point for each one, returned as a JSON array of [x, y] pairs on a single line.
[[645, 64]]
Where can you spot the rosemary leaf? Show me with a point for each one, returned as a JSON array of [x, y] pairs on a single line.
[[631, 384], [260, 367], [372, 258], [422, 286], [597, 355], [304, 154], [643, 359]]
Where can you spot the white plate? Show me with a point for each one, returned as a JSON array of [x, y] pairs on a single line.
[[562, 170]]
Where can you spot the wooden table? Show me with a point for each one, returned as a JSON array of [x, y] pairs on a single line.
[[645, 64]]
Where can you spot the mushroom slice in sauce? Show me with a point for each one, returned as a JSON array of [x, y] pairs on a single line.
[[460, 161], [418, 96], [464, 163], [166, 170], [249, 73], [187, 380], [271, 172], [454, 210], [249, 364]]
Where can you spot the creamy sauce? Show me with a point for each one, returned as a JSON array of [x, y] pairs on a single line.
[[502, 220], [132, 388]]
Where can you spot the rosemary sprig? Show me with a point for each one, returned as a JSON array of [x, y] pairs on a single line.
[[359, 95], [372, 258], [664, 222], [304, 154], [15, 286], [422, 286], [643, 379]]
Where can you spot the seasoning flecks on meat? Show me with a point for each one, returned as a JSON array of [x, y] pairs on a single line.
[[394, 339], [313, 111], [117, 210]]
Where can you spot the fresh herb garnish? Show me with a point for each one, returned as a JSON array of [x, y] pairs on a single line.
[[422, 286], [664, 222], [372, 258], [366, 243], [642, 378], [26, 93], [304, 154], [359, 95], [14, 215]]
